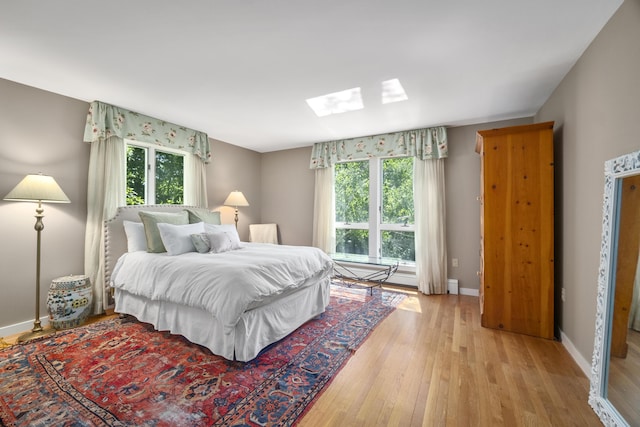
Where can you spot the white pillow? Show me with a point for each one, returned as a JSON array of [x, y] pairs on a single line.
[[230, 229], [177, 238], [136, 238], [222, 241]]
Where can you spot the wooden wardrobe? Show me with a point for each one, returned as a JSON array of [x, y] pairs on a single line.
[[516, 255]]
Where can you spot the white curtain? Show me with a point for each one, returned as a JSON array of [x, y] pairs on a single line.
[[195, 185], [106, 191], [324, 211], [430, 234]]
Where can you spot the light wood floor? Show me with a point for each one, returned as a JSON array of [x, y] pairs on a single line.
[[430, 363], [624, 381]]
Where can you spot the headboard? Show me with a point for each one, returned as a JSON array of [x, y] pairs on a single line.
[[115, 239]]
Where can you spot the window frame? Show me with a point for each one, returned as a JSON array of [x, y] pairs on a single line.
[[150, 169], [375, 226]]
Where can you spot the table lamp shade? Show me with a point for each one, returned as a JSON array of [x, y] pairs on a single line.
[[37, 188], [236, 198]]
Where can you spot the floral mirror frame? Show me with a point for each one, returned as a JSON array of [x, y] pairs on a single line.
[[615, 170]]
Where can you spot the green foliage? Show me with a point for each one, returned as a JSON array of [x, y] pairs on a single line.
[[136, 175], [352, 192], [351, 241], [397, 191], [169, 178], [352, 206], [399, 244]]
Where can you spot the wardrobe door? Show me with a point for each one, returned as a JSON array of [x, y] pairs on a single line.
[[517, 223]]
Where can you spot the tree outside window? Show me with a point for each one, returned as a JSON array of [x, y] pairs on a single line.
[[154, 176], [374, 208]]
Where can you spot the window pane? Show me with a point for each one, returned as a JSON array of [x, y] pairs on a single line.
[[397, 191], [350, 241], [352, 192], [169, 178], [398, 244], [136, 175]]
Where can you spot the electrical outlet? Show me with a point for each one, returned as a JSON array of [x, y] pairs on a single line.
[[454, 262], [563, 295]]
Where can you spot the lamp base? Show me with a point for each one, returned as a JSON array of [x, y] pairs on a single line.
[[36, 332]]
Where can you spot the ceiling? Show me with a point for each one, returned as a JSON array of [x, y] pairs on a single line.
[[241, 70]]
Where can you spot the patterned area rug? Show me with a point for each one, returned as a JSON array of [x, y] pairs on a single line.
[[123, 373]]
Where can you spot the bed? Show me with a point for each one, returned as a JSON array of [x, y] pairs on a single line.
[[260, 292]]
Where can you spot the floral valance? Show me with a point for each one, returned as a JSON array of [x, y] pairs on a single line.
[[104, 121], [425, 144]]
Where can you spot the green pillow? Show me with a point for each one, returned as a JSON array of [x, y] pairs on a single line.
[[203, 215], [151, 220], [201, 242]]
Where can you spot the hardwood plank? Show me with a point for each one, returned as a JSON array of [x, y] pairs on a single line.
[[434, 365], [624, 380]]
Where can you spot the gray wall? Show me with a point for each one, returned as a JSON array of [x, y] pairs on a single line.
[[39, 132], [42, 132], [597, 113], [234, 168], [287, 194]]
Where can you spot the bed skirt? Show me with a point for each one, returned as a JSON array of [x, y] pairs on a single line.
[[256, 329]]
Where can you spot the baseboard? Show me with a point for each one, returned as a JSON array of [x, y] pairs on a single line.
[[584, 364], [470, 291], [18, 328]]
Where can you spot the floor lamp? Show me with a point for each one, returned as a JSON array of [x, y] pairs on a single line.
[[235, 199], [37, 188]]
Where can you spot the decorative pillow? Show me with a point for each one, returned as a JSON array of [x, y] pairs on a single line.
[[201, 242], [222, 241], [203, 215], [230, 229], [151, 220], [216, 239], [136, 239], [177, 238]]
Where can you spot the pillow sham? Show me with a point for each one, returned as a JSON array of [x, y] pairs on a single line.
[[200, 242], [177, 238], [136, 239], [230, 229], [203, 215], [151, 220], [215, 241], [222, 241]]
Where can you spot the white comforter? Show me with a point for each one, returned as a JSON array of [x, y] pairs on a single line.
[[224, 284]]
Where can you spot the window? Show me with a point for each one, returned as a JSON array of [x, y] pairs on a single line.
[[154, 175], [374, 208]]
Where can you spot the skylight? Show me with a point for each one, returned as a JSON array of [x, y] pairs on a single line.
[[392, 91], [351, 99], [337, 102]]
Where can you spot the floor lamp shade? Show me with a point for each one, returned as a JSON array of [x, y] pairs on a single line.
[[37, 188], [235, 199]]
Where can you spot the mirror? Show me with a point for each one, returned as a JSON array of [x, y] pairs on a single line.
[[615, 374]]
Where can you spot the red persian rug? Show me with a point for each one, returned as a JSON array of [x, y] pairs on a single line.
[[121, 372]]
